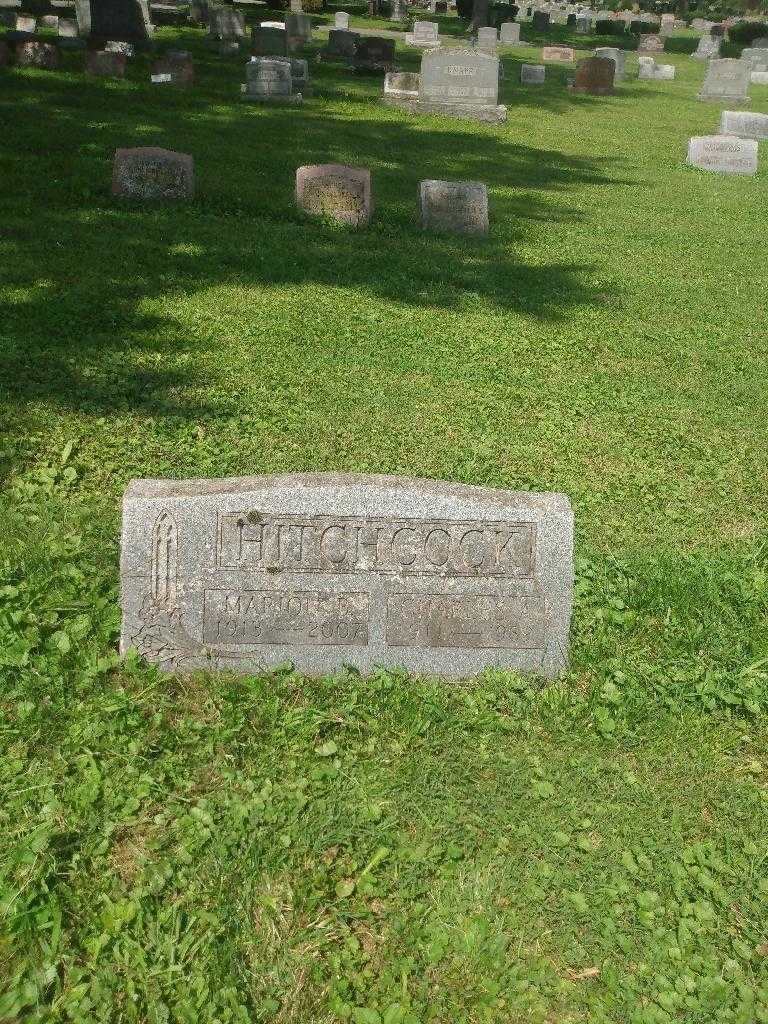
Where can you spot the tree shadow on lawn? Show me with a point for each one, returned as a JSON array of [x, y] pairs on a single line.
[[77, 330]]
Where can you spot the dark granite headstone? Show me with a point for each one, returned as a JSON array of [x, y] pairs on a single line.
[[540, 21], [269, 42], [126, 20], [374, 53], [103, 64], [594, 76]]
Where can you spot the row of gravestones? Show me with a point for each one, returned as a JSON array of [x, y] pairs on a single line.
[[334, 191]]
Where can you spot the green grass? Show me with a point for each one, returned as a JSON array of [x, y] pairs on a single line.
[[386, 851]]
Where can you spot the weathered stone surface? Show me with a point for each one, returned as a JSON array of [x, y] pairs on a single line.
[[459, 207], [509, 34], [67, 28], [461, 83], [150, 172], [726, 79], [650, 44], [656, 72], [330, 569], [50, 21], [299, 29], [487, 40], [126, 20], [532, 74], [619, 58], [724, 153], [557, 54], [425, 34], [594, 76], [398, 10], [745, 125], [174, 69], [25, 23], [103, 64], [759, 77], [374, 53], [708, 47], [342, 45], [34, 54], [401, 85], [225, 24], [341, 20], [267, 41], [337, 191], [583, 26], [269, 80], [756, 57]]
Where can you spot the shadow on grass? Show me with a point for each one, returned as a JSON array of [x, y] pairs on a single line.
[[81, 268]]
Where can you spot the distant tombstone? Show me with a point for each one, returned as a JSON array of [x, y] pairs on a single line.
[[759, 77], [487, 40], [708, 48], [33, 54], [650, 43], [557, 54], [153, 173], [336, 191], [269, 80], [594, 76], [540, 21], [744, 125], [724, 153], [67, 28], [126, 20], [667, 24], [698, 24], [50, 21], [295, 7], [173, 69], [756, 57], [717, 30], [439, 7], [26, 23], [656, 72], [269, 42], [225, 24], [458, 207], [398, 10], [726, 79], [619, 58], [509, 34], [341, 20], [342, 45], [83, 16], [103, 64], [461, 83], [325, 570], [401, 85], [583, 26], [532, 74], [425, 34], [374, 53], [299, 75], [299, 29]]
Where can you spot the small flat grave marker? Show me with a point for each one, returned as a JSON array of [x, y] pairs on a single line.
[[401, 85], [744, 125], [374, 53], [759, 77], [532, 74], [458, 207], [104, 64], [150, 172], [510, 33], [724, 153], [34, 54], [650, 44], [557, 54], [337, 191], [329, 569], [656, 72]]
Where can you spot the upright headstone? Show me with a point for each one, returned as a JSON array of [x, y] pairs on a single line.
[[667, 25], [583, 25], [398, 11], [461, 83], [341, 20], [744, 125], [650, 44], [594, 76], [532, 74], [618, 57], [83, 16], [269, 42], [487, 40], [458, 207], [726, 80], [374, 53], [337, 191], [299, 29], [269, 80], [756, 57], [124, 20], [425, 34], [103, 64], [295, 7], [342, 45], [510, 33], [153, 173], [541, 21], [724, 153], [67, 28], [557, 54], [175, 68], [324, 570], [708, 48]]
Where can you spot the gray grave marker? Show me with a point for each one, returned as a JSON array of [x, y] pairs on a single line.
[[532, 74], [509, 33], [153, 173], [337, 191], [330, 569], [425, 34], [269, 80], [726, 79], [459, 207], [724, 153], [461, 83], [744, 125]]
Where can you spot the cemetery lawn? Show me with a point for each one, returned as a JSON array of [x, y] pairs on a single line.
[[392, 850]]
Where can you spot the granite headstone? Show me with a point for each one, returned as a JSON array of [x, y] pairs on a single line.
[[153, 173], [744, 125], [337, 191], [724, 153], [726, 80], [457, 207]]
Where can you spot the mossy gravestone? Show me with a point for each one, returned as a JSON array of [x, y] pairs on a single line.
[[324, 570]]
